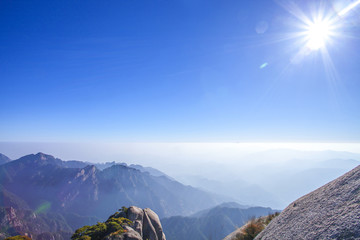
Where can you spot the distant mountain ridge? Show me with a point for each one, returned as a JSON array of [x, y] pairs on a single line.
[[102, 166], [222, 205], [211, 224], [238, 189]]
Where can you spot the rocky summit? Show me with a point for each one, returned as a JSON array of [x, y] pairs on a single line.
[[330, 212], [145, 225], [131, 223]]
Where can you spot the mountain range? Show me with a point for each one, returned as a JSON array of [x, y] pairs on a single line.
[[83, 194], [214, 223]]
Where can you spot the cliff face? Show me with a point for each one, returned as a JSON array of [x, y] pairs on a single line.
[[330, 212]]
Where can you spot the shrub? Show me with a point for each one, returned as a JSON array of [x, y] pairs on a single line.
[[85, 238], [251, 229], [100, 230], [18, 238], [124, 209]]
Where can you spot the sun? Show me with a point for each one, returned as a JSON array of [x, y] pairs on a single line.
[[318, 34]]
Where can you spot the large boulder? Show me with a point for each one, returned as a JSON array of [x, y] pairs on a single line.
[[145, 225], [330, 212], [131, 223]]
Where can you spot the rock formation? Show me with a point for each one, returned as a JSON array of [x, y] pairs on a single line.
[[131, 223], [330, 212], [146, 225]]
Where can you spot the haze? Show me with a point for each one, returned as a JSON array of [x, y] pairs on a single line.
[[266, 174]]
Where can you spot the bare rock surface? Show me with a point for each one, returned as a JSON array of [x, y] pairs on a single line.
[[146, 225], [130, 234], [330, 212]]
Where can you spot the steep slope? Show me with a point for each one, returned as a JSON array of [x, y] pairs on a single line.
[[214, 223], [36, 179], [37, 226], [330, 212], [4, 159], [11, 200]]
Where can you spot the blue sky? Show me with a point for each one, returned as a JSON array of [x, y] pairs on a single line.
[[168, 71]]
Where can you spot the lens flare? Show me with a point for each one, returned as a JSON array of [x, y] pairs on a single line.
[[349, 8], [43, 208]]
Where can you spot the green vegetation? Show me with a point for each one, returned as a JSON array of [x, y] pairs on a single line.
[[124, 209], [18, 238], [114, 225], [251, 229]]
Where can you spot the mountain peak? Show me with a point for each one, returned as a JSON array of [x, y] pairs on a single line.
[[43, 156], [40, 159]]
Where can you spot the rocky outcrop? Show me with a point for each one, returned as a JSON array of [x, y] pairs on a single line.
[[330, 212], [37, 226], [145, 225], [129, 224]]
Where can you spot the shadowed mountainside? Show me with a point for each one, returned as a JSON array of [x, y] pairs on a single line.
[[42, 178], [35, 225]]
